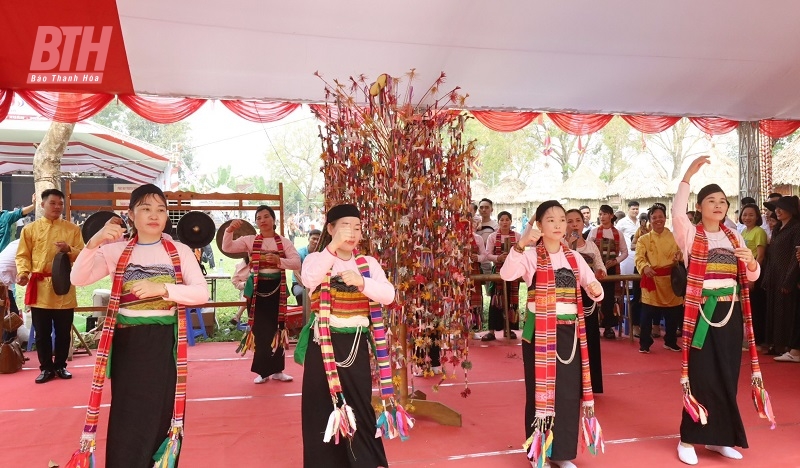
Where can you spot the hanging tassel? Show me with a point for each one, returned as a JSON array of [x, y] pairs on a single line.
[[332, 426], [592, 435], [84, 456], [280, 340], [381, 425], [81, 459], [404, 422], [247, 343], [540, 444], [697, 411], [761, 400], [167, 454]]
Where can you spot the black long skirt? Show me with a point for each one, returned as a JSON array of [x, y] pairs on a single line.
[[143, 379], [568, 394], [265, 325], [365, 450], [714, 377], [592, 323]]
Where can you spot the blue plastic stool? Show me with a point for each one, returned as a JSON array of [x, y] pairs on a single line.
[[193, 332], [32, 338]]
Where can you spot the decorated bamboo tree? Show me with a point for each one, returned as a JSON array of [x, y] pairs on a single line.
[[404, 162]]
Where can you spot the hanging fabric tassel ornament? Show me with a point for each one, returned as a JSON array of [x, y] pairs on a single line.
[[280, 340], [83, 457], [540, 444], [167, 455], [761, 400], [246, 344], [403, 421], [697, 411], [592, 432]]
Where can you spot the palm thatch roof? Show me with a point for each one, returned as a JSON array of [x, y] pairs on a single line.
[[583, 184], [722, 171], [786, 165], [546, 183], [643, 178], [478, 188], [508, 191]]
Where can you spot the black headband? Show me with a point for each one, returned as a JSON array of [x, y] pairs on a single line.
[[342, 211]]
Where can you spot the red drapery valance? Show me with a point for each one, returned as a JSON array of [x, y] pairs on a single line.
[[261, 111], [505, 121], [162, 110], [778, 128], [70, 107], [580, 124], [6, 98], [65, 107], [714, 125], [650, 123]]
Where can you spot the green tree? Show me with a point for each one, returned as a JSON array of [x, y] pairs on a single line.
[[568, 151], [175, 138], [618, 138], [502, 154], [294, 159]]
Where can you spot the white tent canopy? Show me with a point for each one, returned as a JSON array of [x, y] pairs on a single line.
[[728, 58]]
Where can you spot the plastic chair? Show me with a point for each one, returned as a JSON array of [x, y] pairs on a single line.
[[193, 332]]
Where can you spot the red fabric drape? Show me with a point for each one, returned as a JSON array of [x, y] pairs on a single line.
[[162, 110], [714, 125], [650, 123], [261, 111], [505, 121], [580, 124], [6, 98], [778, 128], [65, 107]]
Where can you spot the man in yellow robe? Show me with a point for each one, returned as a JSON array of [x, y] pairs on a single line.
[[656, 254], [39, 243]]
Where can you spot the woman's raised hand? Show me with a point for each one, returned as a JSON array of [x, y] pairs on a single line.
[[695, 166], [111, 231]]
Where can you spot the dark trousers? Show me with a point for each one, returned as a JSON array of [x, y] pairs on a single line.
[[45, 321], [636, 304], [672, 319], [609, 299]]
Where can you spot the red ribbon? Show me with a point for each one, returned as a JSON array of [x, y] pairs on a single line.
[[649, 283], [31, 292]]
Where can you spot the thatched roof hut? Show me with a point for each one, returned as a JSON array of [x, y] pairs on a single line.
[[478, 188], [786, 165], [583, 184], [644, 178], [508, 192]]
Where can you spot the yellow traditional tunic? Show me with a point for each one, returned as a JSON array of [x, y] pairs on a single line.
[[658, 251], [37, 248]]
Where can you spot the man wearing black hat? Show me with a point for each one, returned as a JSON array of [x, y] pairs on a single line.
[[50, 296]]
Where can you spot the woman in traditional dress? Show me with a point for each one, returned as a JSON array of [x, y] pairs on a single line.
[[591, 254], [556, 377], [756, 239], [270, 255], [656, 254], [334, 348], [780, 278], [614, 250], [497, 246], [151, 276], [477, 256], [716, 306]]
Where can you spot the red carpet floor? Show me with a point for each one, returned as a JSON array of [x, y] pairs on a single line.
[[233, 423]]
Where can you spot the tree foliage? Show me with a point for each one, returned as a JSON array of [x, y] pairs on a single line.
[[679, 142]]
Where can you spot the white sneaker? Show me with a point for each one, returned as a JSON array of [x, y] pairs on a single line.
[[260, 380], [687, 454], [282, 377], [787, 357], [727, 452], [436, 370], [562, 464]]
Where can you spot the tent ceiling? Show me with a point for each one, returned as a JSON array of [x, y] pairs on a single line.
[[734, 59]]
